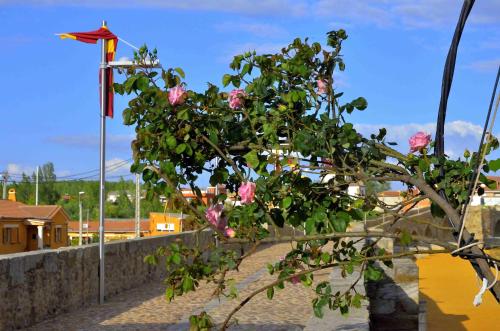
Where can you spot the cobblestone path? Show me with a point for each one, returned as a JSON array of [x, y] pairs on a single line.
[[145, 308]]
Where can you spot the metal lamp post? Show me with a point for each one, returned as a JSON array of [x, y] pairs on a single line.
[[80, 230], [102, 152]]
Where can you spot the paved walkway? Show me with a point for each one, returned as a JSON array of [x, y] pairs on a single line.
[[146, 308]]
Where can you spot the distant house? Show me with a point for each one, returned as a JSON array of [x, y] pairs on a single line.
[[114, 195], [207, 195], [390, 198], [27, 228], [165, 223], [114, 229], [491, 197]]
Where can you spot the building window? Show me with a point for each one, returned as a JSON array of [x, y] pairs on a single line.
[[58, 236], [168, 227], [10, 235]]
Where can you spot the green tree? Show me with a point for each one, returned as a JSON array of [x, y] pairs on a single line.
[[373, 187], [48, 194]]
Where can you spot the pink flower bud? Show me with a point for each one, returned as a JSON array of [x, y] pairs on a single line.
[[419, 141], [214, 216], [229, 232], [247, 192], [236, 98], [322, 88], [177, 95], [295, 280]]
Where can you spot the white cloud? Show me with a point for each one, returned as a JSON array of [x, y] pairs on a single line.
[[267, 7], [260, 48], [459, 135], [407, 13], [382, 13], [484, 65], [257, 29], [18, 169], [92, 141]]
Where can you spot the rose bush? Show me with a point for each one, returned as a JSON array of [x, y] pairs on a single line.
[[282, 107]]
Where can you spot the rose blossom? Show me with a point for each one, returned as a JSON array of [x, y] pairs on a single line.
[[321, 86], [295, 280], [229, 232], [419, 141], [214, 216], [236, 98], [247, 192], [176, 95]]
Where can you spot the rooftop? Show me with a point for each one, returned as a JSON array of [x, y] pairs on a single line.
[[17, 210]]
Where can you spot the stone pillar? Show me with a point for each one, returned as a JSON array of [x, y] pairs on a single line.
[[40, 236]]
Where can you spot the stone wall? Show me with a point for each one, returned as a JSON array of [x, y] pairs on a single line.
[[37, 285], [394, 300]]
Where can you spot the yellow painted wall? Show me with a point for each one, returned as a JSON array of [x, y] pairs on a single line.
[[449, 285], [17, 247], [49, 235], [61, 219], [156, 219]]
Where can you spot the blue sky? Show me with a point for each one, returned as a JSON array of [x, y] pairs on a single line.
[[394, 55]]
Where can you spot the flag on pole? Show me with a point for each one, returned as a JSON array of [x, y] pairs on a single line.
[[92, 37]]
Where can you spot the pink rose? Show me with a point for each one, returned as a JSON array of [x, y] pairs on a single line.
[[214, 216], [295, 280], [176, 95], [236, 98], [321, 86], [229, 232], [419, 141], [247, 192]]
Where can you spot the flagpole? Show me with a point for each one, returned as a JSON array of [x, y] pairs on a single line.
[[102, 156]]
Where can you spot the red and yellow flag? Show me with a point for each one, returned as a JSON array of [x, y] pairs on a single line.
[[92, 37]]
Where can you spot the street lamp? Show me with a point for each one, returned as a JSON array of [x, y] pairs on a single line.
[[81, 221]]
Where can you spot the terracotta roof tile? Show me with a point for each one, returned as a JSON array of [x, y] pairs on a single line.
[[18, 210]]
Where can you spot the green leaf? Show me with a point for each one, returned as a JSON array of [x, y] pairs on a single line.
[[247, 68], [181, 148], [488, 182], [287, 202], [142, 83], [360, 103], [226, 79], [180, 72], [356, 300], [176, 258], [270, 293], [325, 257], [373, 273], [169, 293], [187, 284], [171, 142], [252, 159], [405, 238]]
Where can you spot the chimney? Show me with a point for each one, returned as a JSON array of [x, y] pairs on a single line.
[[12, 195]]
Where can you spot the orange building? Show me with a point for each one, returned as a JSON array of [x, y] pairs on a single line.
[[165, 223], [27, 228]]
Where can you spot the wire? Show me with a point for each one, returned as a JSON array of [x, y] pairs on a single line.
[[129, 44], [479, 166], [108, 168]]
